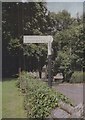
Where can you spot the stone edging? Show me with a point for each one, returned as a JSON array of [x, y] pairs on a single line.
[[67, 111]]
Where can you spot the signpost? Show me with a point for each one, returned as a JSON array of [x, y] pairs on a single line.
[[42, 39]]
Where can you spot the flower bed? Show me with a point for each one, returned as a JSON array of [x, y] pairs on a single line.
[[39, 98]]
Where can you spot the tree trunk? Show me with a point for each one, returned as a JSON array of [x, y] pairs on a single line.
[[40, 74]]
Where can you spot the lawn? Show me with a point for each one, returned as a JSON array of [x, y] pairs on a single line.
[[12, 100]]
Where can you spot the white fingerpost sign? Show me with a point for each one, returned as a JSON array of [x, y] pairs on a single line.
[[42, 39], [39, 39]]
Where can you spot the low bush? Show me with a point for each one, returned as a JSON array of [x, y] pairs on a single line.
[[39, 98], [77, 77], [22, 83]]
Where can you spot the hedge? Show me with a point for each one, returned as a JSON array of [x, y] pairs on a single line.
[[78, 77], [39, 98]]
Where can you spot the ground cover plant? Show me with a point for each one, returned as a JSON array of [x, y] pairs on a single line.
[[39, 98]]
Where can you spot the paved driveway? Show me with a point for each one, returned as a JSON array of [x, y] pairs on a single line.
[[72, 91]]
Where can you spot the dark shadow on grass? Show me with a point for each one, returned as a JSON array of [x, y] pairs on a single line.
[[9, 79]]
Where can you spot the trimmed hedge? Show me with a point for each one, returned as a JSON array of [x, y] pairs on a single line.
[[77, 77], [39, 98]]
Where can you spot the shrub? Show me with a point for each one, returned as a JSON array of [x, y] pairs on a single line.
[[18, 83], [39, 98], [77, 77], [63, 63], [22, 83]]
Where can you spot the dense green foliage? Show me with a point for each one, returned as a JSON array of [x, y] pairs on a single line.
[[33, 18], [78, 77], [23, 19], [39, 98], [63, 64], [70, 45]]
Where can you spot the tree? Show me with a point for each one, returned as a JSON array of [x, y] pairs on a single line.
[[63, 63], [61, 20], [23, 19], [70, 46], [9, 33], [37, 24]]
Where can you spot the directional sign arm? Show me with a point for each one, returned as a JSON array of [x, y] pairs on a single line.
[[37, 39]]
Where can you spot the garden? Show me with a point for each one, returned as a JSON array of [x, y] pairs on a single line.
[[39, 99], [30, 96]]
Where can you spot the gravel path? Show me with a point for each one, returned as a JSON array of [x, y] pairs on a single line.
[[72, 91]]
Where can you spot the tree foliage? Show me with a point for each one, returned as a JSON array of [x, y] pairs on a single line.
[[33, 18], [24, 19], [70, 47]]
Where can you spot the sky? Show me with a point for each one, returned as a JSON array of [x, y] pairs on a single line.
[[71, 7]]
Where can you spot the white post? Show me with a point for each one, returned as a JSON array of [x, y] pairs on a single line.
[[49, 48]]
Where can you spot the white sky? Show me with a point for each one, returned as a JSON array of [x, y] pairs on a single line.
[[71, 7]]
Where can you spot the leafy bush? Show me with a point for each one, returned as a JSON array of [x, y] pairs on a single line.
[[18, 83], [22, 83], [63, 63], [39, 98], [77, 77]]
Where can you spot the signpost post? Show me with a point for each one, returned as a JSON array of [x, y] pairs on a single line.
[[42, 39]]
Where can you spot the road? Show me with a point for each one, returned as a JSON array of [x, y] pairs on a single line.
[[73, 91]]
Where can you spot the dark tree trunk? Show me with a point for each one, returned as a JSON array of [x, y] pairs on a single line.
[[40, 74]]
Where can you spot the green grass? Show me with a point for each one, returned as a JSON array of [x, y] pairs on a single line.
[[12, 100]]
